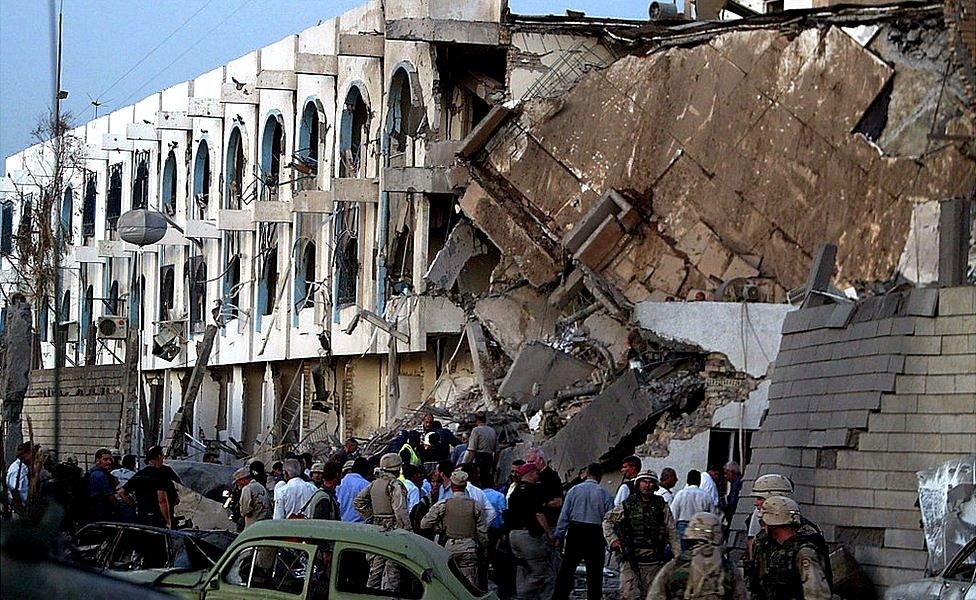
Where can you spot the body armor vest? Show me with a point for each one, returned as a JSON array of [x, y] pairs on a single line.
[[645, 524], [809, 533], [460, 519], [686, 581], [778, 575], [379, 497]]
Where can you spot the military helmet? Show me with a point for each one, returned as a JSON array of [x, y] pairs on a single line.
[[780, 510], [648, 474], [391, 461], [705, 527], [772, 484]]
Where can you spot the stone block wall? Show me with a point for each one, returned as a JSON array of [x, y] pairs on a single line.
[[863, 396]]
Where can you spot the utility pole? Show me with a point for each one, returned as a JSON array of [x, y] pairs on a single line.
[[59, 330]]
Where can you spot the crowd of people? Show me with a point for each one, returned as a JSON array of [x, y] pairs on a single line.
[[526, 532]]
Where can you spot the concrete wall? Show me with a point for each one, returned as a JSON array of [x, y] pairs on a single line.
[[863, 396]]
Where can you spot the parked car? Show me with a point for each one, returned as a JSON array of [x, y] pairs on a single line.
[[130, 547], [315, 560], [957, 581]]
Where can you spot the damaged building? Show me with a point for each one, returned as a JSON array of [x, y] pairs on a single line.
[[600, 230]]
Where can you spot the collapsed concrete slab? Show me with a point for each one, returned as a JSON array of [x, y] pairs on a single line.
[[515, 317], [539, 372], [616, 417], [747, 333], [462, 244]]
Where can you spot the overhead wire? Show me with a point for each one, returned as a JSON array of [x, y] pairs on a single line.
[[185, 51]]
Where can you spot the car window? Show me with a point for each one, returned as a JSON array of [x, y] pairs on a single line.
[[966, 569], [277, 568], [93, 543], [138, 549], [367, 574]]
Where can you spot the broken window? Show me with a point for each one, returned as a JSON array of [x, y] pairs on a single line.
[[67, 207], [65, 315], [197, 270], [42, 320], [169, 184], [405, 118], [307, 154], [167, 278], [399, 250], [471, 82], [346, 227], [25, 228], [6, 228], [88, 207], [267, 290], [353, 135], [140, 183], [305, 277], [201, 178], [232, 289], [272, 146], [113, 203], [87, 308], [235, 170], [112, 302]]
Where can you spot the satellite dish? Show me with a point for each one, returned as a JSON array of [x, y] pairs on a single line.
[[142, 227]]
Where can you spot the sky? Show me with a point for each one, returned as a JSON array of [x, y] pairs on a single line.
[[117, 52]]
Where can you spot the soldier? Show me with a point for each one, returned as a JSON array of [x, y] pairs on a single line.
[[790, 564], [640, 529], [463, 523], [384, 503], [757, 544], [702, 572]]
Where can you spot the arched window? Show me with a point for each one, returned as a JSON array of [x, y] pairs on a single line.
[[112, 304], [113, 203], [353, 135], [307, 154], [169, 184], [232, 289], [346, 227], [198, 290], [405, 117], [167, 279], [87, 308], [140, 183], [272, 147], [65, 306], [88, 207], [67, 207], [201, 178], [6, 228], [235, 170], [305, 278], [269, 282], [42, 320]]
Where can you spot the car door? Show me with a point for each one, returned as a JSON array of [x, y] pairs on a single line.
[[269, 569], [351, 576], [959, 576], [93, 544]]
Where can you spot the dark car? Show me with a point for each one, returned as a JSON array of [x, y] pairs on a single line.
[[957, 581], [129, 547]]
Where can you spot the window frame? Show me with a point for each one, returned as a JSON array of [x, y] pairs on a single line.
[[217, 581]]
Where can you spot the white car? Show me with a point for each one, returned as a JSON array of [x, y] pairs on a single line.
[[957, 581]]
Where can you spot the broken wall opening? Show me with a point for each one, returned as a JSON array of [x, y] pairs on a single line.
[[471, 81], [354, 134]]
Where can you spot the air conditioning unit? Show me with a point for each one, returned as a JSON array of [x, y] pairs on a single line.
[[113, 328], [167, 344]]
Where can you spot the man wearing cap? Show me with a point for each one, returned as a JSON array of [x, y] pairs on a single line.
[[702, 571], [531, 538], [793, 565], [384, 503], [255, 505], [640, 529], [463, 524]]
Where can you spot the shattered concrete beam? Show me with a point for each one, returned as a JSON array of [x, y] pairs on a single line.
[[820, 273], [480, 358], [444, 31], [483, 131], [483, 86], [426, 180], [525, 383], [385, 326], [370, 45], [462, 244], [954, 228]]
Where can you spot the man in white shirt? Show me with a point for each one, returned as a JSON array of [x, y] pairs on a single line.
[[669, 478], [18, 476], [708, 485], [629, 469], [689, 501], [446, 468], [293, 497]]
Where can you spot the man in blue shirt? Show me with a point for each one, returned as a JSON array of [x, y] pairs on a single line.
[[352, 483], [580, 531], [101, 488]]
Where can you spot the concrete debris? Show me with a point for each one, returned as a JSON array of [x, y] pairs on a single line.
[[516, 317], [207, 479], [523, 385], [947, 497], [462, 244], [613, 419], [203, 512]]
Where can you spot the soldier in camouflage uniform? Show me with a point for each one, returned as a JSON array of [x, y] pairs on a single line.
[[702, 572], [790, 563], [640, 529], [384, 503], [463, 524]]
